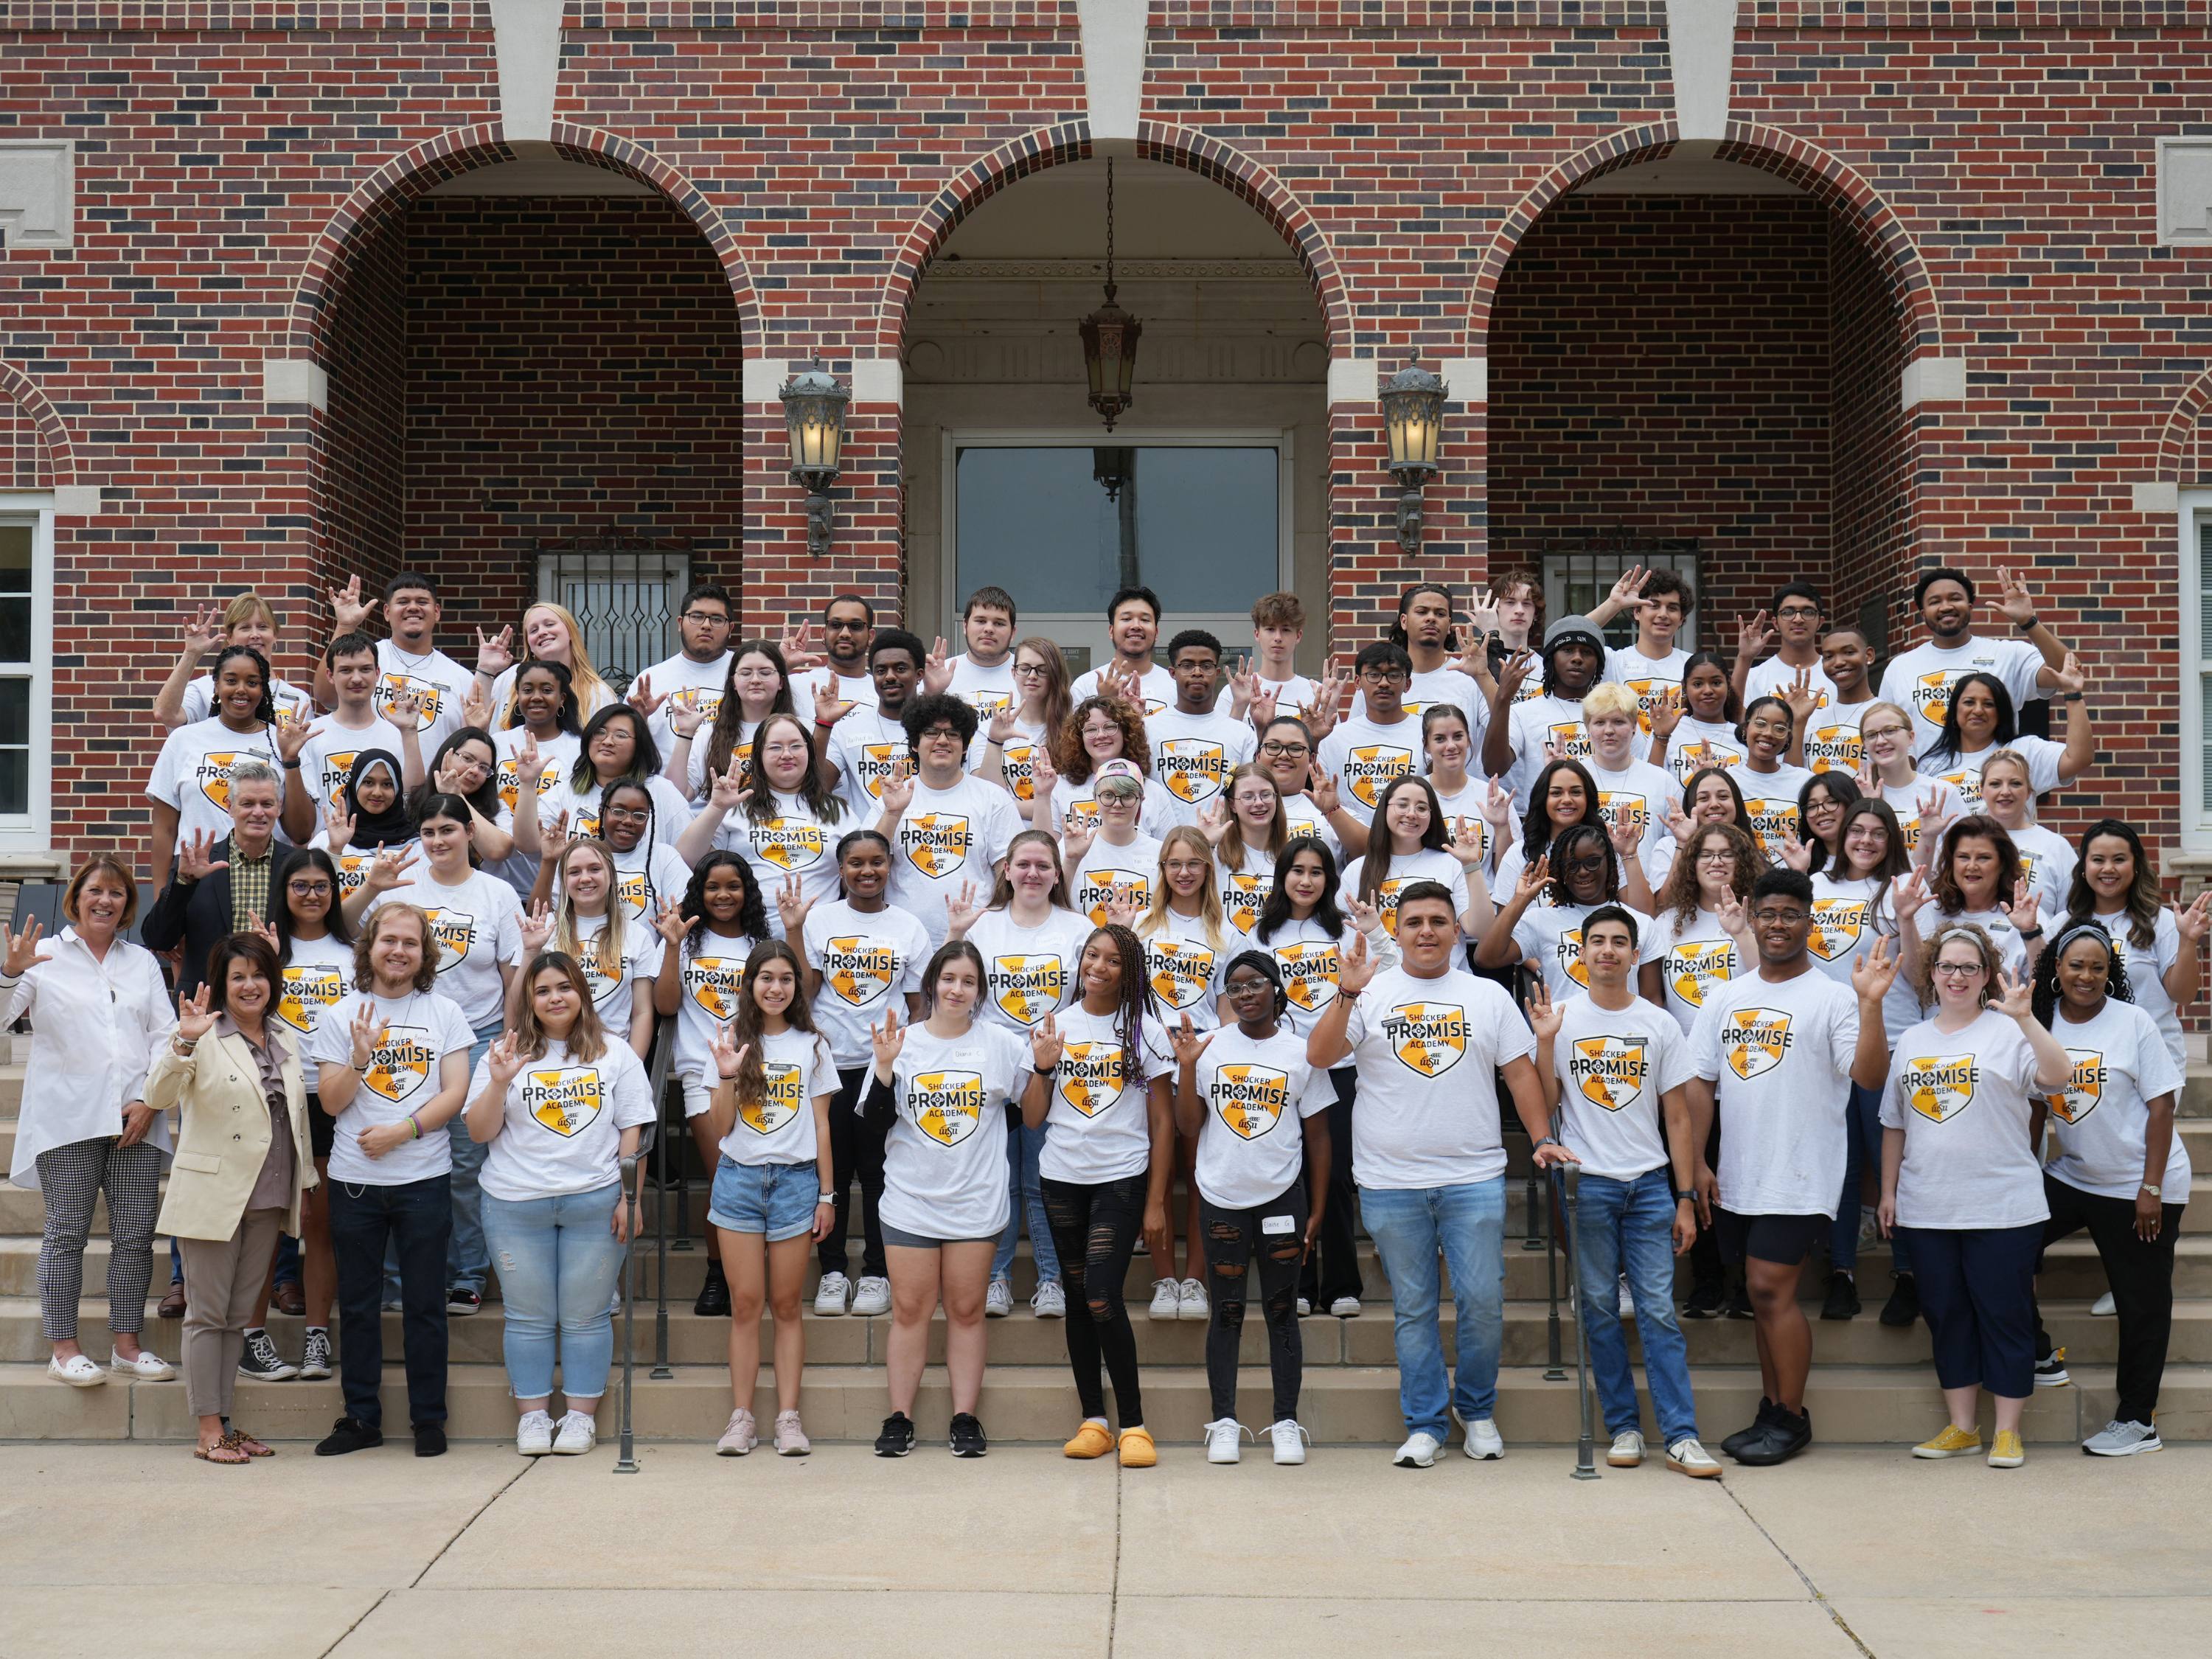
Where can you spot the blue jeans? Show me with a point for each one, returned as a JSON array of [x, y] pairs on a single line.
[[468, 1259], [1863, 1152], [1466, 1223], [558, 1260], [1024, 1147], [1628, 1226]]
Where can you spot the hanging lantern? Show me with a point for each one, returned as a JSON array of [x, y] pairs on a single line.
[[1109, 337]]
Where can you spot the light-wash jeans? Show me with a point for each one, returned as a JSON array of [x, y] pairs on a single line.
[[1466, 1226], [1628, 1226], [558, 1259], [1025, 1146]]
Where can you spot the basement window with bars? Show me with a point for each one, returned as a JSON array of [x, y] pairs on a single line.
[[623, 598], [1576, 581]]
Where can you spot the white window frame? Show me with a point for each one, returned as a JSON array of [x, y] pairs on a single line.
[[1234, 629], [32, 831], [2195, 517]]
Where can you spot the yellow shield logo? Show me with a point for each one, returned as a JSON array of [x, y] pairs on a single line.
[[1180, 972], [1931, 694], [213, 774], [879, 763], [1694, 968], [1386, 903], [307, 992], [1089, 1076], [1370, 767], [1771, 820], [1250, 1099], [1083, 814], [1608, 1071], [2084, 1088], [1428, 1037], [987, 703], [456, 934], [1021, 771], [565, 1100], [1939, 1087], [336, 768], [1832, 749], [946, 1106], [629, 884], [779, 1103], [1242, 898], [510, 779], [1102, 887], [858, 970], [789, 844], [936, 843], [353, 870], [400, 1064], [1027, 989], [1647, 691], [712, 984], [1193, 769], [1836, 924], [707, 700], [389, 686], [1570, 738], [1309, 975], [1754, 1040], [1570, 949], [1613, 803]]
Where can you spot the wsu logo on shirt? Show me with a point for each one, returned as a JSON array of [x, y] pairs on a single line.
[[1193, 768], [399, 1063], [389, 687], [307, 992], [1181, 971], [1101, 887], [1242, 898], [779, 1103], [1428, 1037], [790, 844], [936, 843], [1832, 748], [1309, 975], [1836, 924], [1770, 819], [878, 763], [1694, 968], [1369, 766], [1027, 989], [1754, 1040], [946, 1106], [713, 983], [1250, 1099], [1940, 1087], [859, 970], [1089, 1076], [455, 931], [2084, 1086], [565, 1101], [1608, 1071]]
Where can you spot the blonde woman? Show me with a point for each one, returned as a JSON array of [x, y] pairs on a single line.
[[1249, 829], [550, 633], [617, 953], [246, 620]]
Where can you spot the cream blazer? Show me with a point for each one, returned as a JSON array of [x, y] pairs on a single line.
[[223, 1140]]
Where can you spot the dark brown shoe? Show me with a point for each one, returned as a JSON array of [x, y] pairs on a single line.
[[172, 1306], [289, 1300]]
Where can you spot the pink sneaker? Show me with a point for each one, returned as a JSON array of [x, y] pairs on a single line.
[[791, 1440], [739, 1437]]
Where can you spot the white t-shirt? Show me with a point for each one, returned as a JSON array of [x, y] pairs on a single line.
[[946, 838], [1771, 678], [794, 841], [825, 684], [1245, 892], [1257, 1093], [1641, 789], [1831, 737], [1302, 818], [779, 1127], [1293, 696], [1185, 971], [869, 750], [1028, 972], [197, 703], [1405, 869], [1101, 1128], [1463, 817], [560, 1131], [1919, 681], [1694, 745], [419, 1030], [1017, 759], [986, 690], [1545, 720], [685, 685], [320, 972], [1454, 686], [442, 684], [944, 1160], [1077, 804], [712, 968], [1692, 957], [1192, 756], [1962, 772], [1105, 873], [1771, 799], [702, 742], [477, 924], [1781, 1053], [1311, 958], [192, 774], [1904, 799], [2046, 864], [1612, 1065], [1158, 686], [1846, 919], [1552, 935], [868, 960], [2100, 1118], [1963, 1099], [671, 813], [557, 759], [331, 752], [1426, 1048], [2147, 970], [1363, 757], [1650, 678], [614, 993]]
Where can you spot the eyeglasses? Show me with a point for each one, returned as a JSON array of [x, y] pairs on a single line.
[[1958, 969], [626, 814], [703, 617], [1716, 855], [834, 627], [1384, 676], [1028, 668], [1782, 918], [1278, 750], [1797, 613], [308, 888], [935, 732]]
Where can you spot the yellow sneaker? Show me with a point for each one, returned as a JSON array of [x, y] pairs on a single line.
[[1954, 1443], [1138, 1451], [2006, 1451], [1091, 1440]]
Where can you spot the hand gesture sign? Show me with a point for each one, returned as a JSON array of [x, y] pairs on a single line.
[[22, 948], [1469, 846], [1754, 638], [2012, 998], [1213, 820], [2022, 907], [1873, 973], [962, 909], [1800, 696], [936, 669], [897, 792], [1729, 911], [2014, 599], [795, 642], [1243, 687], [2072, 678], [1497, 807], [1321, 789], [670, 922], [1187, 1041], [504, 1059], [476, 709], [1045, 1044], [406, 708], [202, 631], [195, 859], [194, 1019], [1667, 712], [1796, 854], [887, 1039], [1544, 1014], [729, 1055], [537, 927], [1363, 916], [1075, 839], [388, 870], [2193, 921], [1908, 893], [792, 905], [685, 719], [1625, 829], [495, 652], [727, 792], [367, 1032], [1355, 967], [1534, 876], [1628, 592], [347, 607], [643, 698], [1513, 674]]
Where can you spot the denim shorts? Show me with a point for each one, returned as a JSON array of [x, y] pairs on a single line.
[[776, 1199]]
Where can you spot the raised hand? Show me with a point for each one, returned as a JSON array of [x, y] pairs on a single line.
[[729, 1055], [670, 922], [2013, 999], [476, 709], [1874, 972], [1729, 912], [1075, 839], [1536, 875], [1796, 854], [1327, 706], [1544, 1014], [2014, 599], [897, 792], [2193, 921], [827, 711], [1497, 807], [202, 631], [1680, 825], [643, 698], [367, 1033], [553, 838], [962, 909], [685, 719], [1908, 893], [448, 777], [195, 859], [1625, 829], [1045, 1044], [936, 669], [1628, 592], [406, 708], [1929, 805], [529, 766], [388, 870], [1187, 1041], [504, 1059], [1323, 790], [1800, 696], [796, 640], [1213, 819], [1122, 907], [195, 1019], [1469, 846], [2072, 676], [1666, 712], [261, 930], [1364, 917], [1043, 774], [1355, 970], [1513, 674], [21, 949], [726, 790], [348, 608], [2021, 907], [1482, 611], [1243, 687], [1005, 725], [536, 925], [1755, 637], [887, 1039], [495, 652]]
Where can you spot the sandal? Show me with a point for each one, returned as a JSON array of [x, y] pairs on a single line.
[[223, 1452], [239, 1440]]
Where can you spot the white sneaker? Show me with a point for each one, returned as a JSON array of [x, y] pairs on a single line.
[[1290, 1441], [873, 1297], [78, 1371], [2104, 1307], [1627, 1451], [1221, 1437], [147, 1367], [1483, 1440], [1191, 1303], [577, 1434], [534, 1435], [1167, 1299], [1627, 1302], [1344, 1307], [1050, 1301], [1305, 1307], [830, 1297], [1420, 1451], [1687, 1457], [998, 1300]]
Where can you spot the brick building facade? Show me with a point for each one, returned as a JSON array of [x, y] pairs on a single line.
[[258, 328]]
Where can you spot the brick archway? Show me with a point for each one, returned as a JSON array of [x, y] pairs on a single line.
[[54, 461], [2185, 446]]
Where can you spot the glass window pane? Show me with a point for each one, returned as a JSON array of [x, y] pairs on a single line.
[[14, 712], [14, 558], [2204, 588], [15, 628], [14, 782]]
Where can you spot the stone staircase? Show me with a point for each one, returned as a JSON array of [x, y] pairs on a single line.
[[1869, 1383]]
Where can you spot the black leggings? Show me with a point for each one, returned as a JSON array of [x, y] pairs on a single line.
[[1095, 1231], [856, 1147], [1332, 1269], [1235, 1238]]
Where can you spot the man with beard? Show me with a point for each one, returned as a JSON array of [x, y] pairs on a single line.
[[1921, 680]]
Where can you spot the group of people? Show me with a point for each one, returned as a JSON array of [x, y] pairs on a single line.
[[1190, 953]]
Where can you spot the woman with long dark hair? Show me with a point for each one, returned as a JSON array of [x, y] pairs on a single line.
[[759, 685], [2162, 945]]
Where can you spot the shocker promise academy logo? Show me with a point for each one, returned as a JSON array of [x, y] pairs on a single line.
[[307, 992], [1309, 974], [878, 763], [936, 843], [1754, 1040], [1090, 1076], [1570, 739], [1694, 968], [946, 1106], [1193, 769], [779, 1103], [2084, 1086], [1832, 748], [858, 970], [1836, 924], [1771, 820], [565, 1100], [1101, 887], [1427, 1037], [1931, 694], [456, 934], [1248, 1099], [1242, 899], [1647, 691], [1181, 971], [390, 686], [212, 777], [1939, 1087], [1027, 989], [1369, 768], [713, 983], [1021, 771], [1608, 1071], [400, 1063], [790, 844]]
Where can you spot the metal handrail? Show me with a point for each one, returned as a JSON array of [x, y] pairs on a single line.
[[654, 1141], [1564, 1180]]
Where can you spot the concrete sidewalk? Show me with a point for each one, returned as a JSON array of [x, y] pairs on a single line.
[[1848, 1551]]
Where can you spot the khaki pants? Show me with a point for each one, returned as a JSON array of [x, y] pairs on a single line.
[[223, 1282]]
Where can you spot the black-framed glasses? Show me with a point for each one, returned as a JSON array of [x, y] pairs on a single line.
[[308, 888], [1282, 750], [705, 617], [1797, 613], [833, 626]]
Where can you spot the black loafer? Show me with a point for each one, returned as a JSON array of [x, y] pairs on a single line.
[[429, 1440], [1786, 1434], [349, 1434]]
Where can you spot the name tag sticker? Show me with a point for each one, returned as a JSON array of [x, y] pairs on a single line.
[[1277, 1223]]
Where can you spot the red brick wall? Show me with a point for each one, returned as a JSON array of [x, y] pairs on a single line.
[[364, 455], [1870, 431]]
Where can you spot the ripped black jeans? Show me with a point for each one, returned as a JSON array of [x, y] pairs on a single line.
[[1094, 1229], [1236, 1242]]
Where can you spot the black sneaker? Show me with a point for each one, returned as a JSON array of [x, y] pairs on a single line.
[[315, 1353], [1738, 1305], [1786, 1434], [2051, 1370], [1744, 1437], [347, 1434], [429, 1440], [1903, 1304], [1704, 1302], [968, 1436], [461, 1302], [714, 1301], [260, 1362], [1843, 1301], [897, 1439]]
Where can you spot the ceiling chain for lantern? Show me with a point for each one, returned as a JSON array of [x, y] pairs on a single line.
[[1109, 337]]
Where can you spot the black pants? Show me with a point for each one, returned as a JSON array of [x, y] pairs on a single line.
[[1332, 1269], [856, 1147], [2141, 1278], [416, 1220], [1236, 1241], [1095, 1231]]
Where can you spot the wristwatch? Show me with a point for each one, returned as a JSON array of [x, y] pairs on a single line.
[[1548, 1141], [827, 1198], [2155, 1192], [1688, 1195]]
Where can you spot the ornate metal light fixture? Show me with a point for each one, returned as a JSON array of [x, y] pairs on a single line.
[[1109, 337], [814, 420], [1110, 466], [1413, 418]]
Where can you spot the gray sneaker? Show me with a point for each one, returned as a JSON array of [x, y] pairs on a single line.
[[2119, 1439]]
